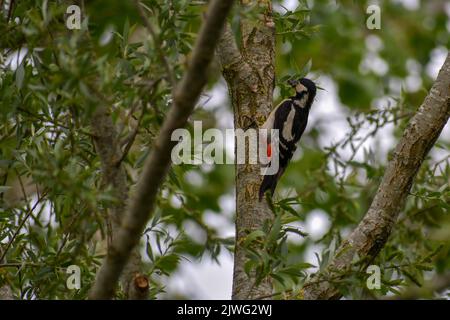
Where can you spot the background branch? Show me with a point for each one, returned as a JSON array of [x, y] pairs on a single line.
[[20, 226], [107, 145], [373, 231], [158, 163]]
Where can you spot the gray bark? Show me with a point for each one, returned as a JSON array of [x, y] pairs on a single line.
[[250, 75]]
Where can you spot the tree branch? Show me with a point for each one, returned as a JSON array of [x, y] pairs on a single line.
[[158, 163], [227, 50], [373, 231], [20, 226], [234, 66]]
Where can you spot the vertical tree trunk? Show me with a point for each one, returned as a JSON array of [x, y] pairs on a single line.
[[249, 73], [107, 146]]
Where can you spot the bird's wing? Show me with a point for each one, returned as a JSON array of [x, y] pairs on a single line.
[[269, 124], [284, 120]]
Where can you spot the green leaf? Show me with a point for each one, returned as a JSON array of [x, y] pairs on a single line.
[[44, 11], [303, 265], [425, 267], [395, 282], [126, 30], [278, 278], [306, 69], [168, 263], [297, 231], [274, 231], [252, 236], [249, 266], [412, 277]]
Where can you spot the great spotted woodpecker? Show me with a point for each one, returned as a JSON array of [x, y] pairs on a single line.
[[290, 118]]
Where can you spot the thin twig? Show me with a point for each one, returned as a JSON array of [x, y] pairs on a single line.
[[131, 137], [272, 295], [20, 227], [22, 187], [20, 264], [11, 5]]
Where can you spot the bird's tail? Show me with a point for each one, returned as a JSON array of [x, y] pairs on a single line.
[[270, 183]]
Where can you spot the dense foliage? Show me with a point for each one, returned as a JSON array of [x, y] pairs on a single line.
[[52, 201]]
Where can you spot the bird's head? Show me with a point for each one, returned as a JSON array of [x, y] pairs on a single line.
[[303, 86], [304, 89]]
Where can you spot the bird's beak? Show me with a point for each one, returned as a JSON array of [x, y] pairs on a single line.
[[292, 82]]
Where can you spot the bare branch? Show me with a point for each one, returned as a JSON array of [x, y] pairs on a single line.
[[373, 231], [158, 163]]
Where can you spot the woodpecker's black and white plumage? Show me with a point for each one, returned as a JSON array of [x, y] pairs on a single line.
[[290, 118]]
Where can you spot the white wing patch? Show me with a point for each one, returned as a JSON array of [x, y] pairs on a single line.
[[287, 127]]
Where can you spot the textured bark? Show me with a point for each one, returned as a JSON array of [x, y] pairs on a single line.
[[157, 164], [107, 146], [6, 293], [249, 73], [373, 231]]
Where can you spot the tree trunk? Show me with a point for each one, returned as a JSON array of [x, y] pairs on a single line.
[[250, 75], [107, 146]]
